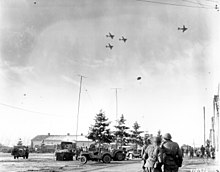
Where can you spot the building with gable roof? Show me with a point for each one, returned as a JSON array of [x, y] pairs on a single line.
[[53, 140]]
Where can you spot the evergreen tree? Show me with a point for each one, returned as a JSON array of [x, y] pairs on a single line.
[[100, 132], [120, 132], [135, 135]]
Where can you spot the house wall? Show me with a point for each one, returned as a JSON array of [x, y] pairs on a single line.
[[52, 142], [35, 143], [55, 142]]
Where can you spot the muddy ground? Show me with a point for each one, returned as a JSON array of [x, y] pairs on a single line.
[[47, 163]]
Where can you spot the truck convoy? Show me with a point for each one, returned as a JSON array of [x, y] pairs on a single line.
[[66, 150]]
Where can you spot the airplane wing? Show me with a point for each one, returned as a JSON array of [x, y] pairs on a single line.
[[184, 29]]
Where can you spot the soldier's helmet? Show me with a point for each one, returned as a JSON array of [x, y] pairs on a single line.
[[167, 136], [157, 140]]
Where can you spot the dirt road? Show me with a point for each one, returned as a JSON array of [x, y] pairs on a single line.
[[47, 163]]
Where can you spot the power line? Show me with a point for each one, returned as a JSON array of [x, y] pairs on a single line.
[[192, 2], [212, 1], [198, 3], [173, 4], [26, 110]]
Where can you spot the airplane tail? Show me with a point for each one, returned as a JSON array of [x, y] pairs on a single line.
[[179, 28]]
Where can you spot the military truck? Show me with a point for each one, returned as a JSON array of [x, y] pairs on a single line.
[[65, 151], [20, 151], [98, 153], [118, 155]]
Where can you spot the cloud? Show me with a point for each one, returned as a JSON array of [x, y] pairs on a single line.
[[17, 45], [44, 47], [13, 74]]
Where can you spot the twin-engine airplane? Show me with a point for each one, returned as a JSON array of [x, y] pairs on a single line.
[[110, 35], [183, 28], [123, 39], [109, 46]]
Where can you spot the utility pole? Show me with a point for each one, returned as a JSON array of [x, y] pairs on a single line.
[[217, 120], [213, 124], [116, 111], [204, 123], [77, 119], [116, 102]]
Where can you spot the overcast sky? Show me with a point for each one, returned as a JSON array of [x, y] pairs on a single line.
[[44, 46]]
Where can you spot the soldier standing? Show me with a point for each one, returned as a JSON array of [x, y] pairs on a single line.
[[153, 156], [202, 151], [172, 155], [191, 152], [212, 152], [27, 152], [146, 144], [207, 151]]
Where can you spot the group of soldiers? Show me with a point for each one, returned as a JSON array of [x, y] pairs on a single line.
[[162, 154], [207, 151]]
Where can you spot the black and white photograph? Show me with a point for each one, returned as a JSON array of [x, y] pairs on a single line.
[[109, 85]]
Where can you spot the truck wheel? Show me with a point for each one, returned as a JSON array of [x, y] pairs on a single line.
[[26, 156], [83, 159], [14, 157], [119, 156], [106, 158], [23, 157]]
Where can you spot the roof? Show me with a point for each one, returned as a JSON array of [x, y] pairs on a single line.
[[40, 137], [71, 138], [60, 138]]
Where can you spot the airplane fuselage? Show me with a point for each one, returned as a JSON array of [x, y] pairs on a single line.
[[183, 29]]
